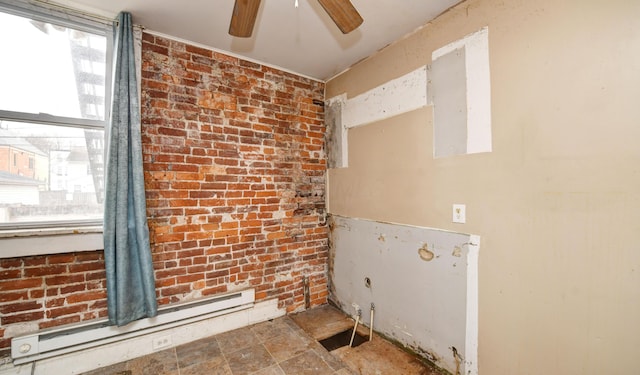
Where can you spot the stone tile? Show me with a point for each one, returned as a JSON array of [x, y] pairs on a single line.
[[249, 360], [207, 368], [307, 363], [160, 363], [116, 369], [270, 329], [273, 370], [287, 346], [334, 362], [202, 351], [345, 371], [237, 339]]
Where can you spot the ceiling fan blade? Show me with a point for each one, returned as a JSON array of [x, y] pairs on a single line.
[[343, 13], [244, 17]]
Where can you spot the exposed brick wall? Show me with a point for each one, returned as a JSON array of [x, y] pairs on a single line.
[[44, 291], [235, 166], [234, 171]]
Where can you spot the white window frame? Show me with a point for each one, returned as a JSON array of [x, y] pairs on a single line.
[[40, 238]]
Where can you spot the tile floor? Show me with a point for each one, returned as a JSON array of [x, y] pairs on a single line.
[[284, 346]]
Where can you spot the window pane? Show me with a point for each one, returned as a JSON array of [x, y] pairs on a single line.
[[51, 69], [50, 173]]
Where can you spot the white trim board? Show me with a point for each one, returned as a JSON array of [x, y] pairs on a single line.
[[393, 98]]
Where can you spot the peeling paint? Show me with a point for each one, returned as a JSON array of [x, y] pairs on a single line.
[[457, 251], [426, 254]]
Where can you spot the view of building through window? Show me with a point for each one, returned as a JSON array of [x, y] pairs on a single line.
[[52, 113]]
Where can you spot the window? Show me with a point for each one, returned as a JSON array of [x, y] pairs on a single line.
[[54, 101]]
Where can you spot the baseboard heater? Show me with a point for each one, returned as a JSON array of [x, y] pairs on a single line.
[[60, 340]]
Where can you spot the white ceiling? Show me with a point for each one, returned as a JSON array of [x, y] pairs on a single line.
[[302, 40]]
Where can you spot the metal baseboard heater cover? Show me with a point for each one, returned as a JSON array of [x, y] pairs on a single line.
[[60, 340]]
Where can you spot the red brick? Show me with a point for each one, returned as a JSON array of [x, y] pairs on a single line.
[[60, 258], [12, 285], [19, 307], [11, 262], [176, 290], [189, 278], [67, 310], [64, 280], [26, 317], [10, 274], [85, 267], [88, 256], [59, 322], [84, 297]]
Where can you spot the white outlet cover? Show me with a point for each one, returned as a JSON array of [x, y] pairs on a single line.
[[459, 213], [161, 342]]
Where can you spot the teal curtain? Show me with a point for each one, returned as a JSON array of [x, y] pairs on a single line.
[[130, 280]]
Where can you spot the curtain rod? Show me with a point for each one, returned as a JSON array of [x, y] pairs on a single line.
[[78, 12]]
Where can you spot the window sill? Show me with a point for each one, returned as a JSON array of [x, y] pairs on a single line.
[[29, 242]]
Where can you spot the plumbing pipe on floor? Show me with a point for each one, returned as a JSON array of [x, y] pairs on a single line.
[[353, 334], [371, 323]]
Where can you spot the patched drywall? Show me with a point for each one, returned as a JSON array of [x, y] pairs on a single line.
[[422, 281], [336, 134], [462, 68], [449, 98]]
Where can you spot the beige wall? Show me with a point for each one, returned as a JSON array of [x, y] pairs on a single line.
[[557, 202]]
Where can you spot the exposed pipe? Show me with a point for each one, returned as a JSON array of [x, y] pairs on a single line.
[[307, 296], [371, 324], [353, 334]]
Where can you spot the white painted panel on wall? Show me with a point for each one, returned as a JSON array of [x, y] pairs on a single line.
[[337, 146], [448, 89], [478, 87], [395, 97], [423, 282]]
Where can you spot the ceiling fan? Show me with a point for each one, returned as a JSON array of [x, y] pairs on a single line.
[[342, 12]]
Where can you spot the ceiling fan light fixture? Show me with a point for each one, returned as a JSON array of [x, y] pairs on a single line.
[[343, 13], [245, 12]]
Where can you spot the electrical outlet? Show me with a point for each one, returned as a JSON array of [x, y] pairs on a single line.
[[459, 213], [161, 342]]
